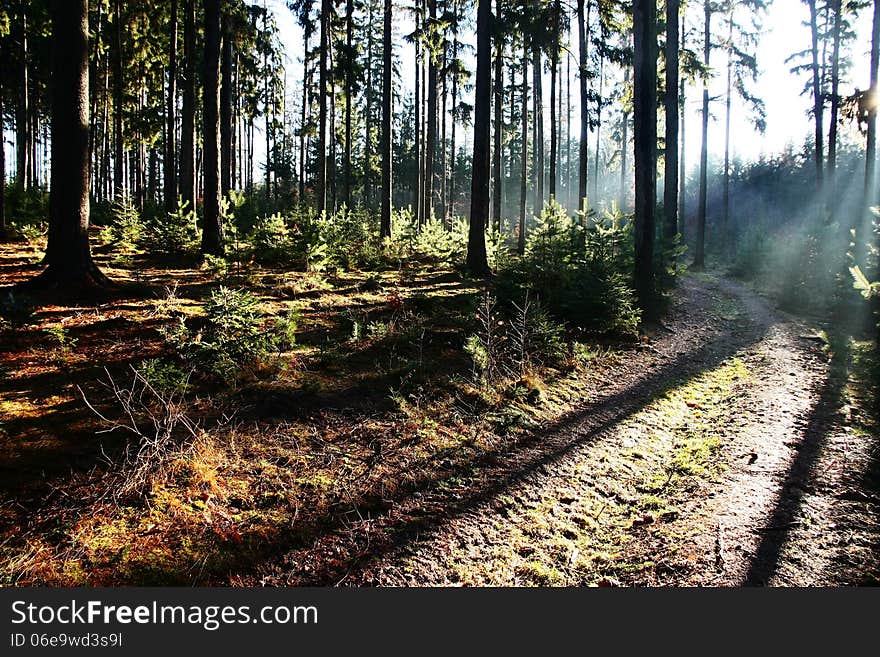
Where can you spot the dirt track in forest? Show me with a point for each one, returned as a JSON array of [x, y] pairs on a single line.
[[765, 486]]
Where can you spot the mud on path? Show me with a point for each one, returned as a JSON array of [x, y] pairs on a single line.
[[716, 455]]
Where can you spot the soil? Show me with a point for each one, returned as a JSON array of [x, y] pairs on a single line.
[[727, 448], [790, 503]]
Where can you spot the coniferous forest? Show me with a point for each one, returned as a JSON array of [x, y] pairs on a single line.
[[438, 292]]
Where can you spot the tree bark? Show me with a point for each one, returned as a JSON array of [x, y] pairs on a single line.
[[169, 166], [68, 256], [700, 251], [417, 111], [118, 180], [322, 105], [476, 256], [226, 104], [624, 147], [538, 129], [818, 97], [431, 136], [670, 175], [498, 93], [583, 149], [188, 127], [835, 90], [871, 143], [453, 177], [212, 229], [554, 84], [3, 235], [725, 192], [599, 105], [387, 108], [22, 124], [682, 171], [645, 137], [349, 84], [524, 159]]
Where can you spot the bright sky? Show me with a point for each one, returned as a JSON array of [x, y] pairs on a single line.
[[784, 33], [787, 120]]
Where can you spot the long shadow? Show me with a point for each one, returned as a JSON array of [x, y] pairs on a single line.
[[423, 506], [502, 469], [776, 531]]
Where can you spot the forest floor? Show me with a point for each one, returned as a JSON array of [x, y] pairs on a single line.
[[727, 447]]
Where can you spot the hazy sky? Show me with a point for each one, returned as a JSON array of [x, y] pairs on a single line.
[[783, 34]]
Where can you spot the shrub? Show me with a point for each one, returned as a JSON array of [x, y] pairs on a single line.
[[286, 327], [165, 378], [271, 240], [174, 233], [579, 270], [26, 207], [231, 337], [124, 229]]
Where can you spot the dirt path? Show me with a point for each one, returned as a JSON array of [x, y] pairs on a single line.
[[715, 456]]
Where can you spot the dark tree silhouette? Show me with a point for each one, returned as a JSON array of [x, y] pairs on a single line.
[[670, 178], [188, 124], [583, 151], [170, 168], [476, 256], [645, 138], [68, 256], [387, 107], [700, 250], [212, 228]]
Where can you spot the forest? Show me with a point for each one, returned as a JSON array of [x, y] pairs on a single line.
[[439, 293]]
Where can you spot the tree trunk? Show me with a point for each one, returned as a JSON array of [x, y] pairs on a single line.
[[599, 105], [3, 235], [188, 127], [212, 229], [583, 149], [498, 89], [226, 104], [569, 200], [68, 257], [476, 256], [444, 156], [453, 177], [538, 130], [835, 90], [118, 180], [670, 175], [818, 98], [349, 84], [169, 166], [267, 102], [524, 160], [22, 127], [554, 83], [725, 192], [645, 138], [322, 105], [873, 91], [417, 111], [387, 108], [368, 118], [700, 252], [431, 137], [624, 147], [303, 119], [682, 172]]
